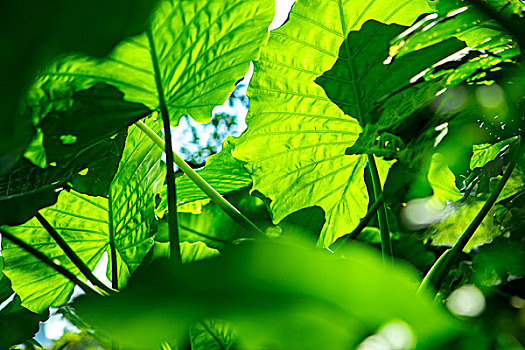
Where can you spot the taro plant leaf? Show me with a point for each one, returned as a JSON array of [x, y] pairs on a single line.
[[360, 77], [213, 226], [190, 252], [18, 324], [35, 32], [266, 289], [223, 172], [488, 43], [25, 189], [88, 224], [442, 180], [96, 114], [202, 47], [295, 144], [448, 231], [212, 334], [485, 153]]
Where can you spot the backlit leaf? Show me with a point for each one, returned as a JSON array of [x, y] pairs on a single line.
[[295, 144]]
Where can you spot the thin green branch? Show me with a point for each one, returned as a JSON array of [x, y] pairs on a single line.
[[377, 192], [173, 216], [46, 260], [112, 244], [215, 196], [440, 269], [86, 271], [362, 224]]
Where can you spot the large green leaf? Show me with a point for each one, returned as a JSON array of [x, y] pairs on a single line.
[[380, 95], [360, 77], [35, 32], [296, 139], [201, 47], [88, 224], [278, 295]]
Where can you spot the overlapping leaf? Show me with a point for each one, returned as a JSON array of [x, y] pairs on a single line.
[[200, 47], [296, 139], [25, 189], [35, 32], [88, 224], [489, 44], [380, 95], [267, 290]]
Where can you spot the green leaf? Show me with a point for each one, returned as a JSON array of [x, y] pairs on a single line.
[[18, 324], [203, 48], [190, 252], [449, 230], [442, 180], [295, 144], [212, 334], [223, 172], [485, 153], [132, 192], [266, 289], [96, 114], [360, 77], [88, 224], [488, 43], [25, 189], [35, 32]]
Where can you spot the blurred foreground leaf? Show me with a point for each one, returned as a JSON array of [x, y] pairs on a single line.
[[278, 295]]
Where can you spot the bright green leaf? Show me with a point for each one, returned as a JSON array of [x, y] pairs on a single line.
[[203, 48], [484, 153], [295, 144], [442, 180], [88, 224]]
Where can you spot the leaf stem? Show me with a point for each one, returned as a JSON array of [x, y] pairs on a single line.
[[173, 216], [442, 266], [362, 224], [86, 271], [212, 193], [377, 192], [46, 260], [112, 245]]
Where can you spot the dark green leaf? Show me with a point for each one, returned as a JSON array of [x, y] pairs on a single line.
[[35, 32], [88, 224]]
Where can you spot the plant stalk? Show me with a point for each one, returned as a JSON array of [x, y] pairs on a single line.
[[440, 269], [362, 224], [86, 271], [377, 192], [215, 196], [46, 260], [112, 245], [173, 216]]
